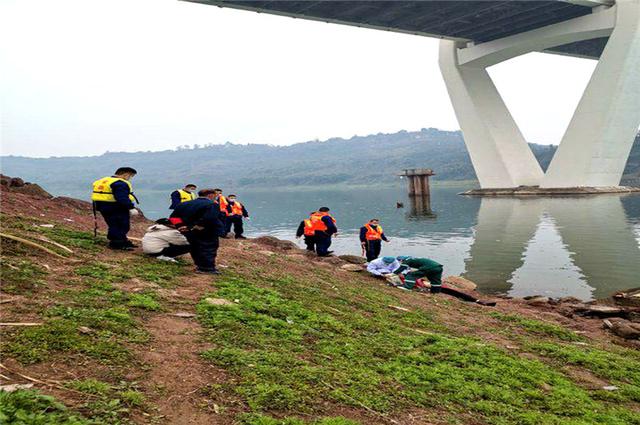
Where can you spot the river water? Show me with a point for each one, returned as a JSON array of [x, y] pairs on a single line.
[[587, 247]]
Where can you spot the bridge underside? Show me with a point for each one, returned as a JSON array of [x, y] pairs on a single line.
[[479, 34]]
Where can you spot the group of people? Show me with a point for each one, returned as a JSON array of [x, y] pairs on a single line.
[[194, 226], [198, 221]]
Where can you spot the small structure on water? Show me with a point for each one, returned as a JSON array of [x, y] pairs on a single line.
[[419, 191]]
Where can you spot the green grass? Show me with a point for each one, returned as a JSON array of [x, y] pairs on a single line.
[[32, 408], [537, 327], [21, 276], [291, 351]]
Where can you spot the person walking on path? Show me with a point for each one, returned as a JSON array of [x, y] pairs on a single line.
[[371, 237]]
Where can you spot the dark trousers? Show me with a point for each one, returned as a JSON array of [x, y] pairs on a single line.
[[236, 222], [323, 242], [434, 276], [173, 251], [224, 219], [310, 242], [204, 249], [372, 249], [118, 222]]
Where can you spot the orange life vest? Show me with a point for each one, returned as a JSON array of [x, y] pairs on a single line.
[[373, 234], [308, 228], [236, 208], [222, 202], [317, 223]]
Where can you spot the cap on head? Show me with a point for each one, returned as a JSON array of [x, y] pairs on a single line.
[[388, 260]]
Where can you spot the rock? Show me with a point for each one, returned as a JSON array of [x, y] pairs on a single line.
[[267, 253], [630, 297], [460, 283], [16, 182], [623, 328], [275, 242], [184, 315], [610, 388], [597, 310], [5, 180], [217, 301], [353, 259], [85, 330], [14, 387], [351, 268], [331, 260], [537, 300], [32, 190], [570, 300]]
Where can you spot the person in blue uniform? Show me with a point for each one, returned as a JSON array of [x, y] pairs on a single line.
[[199, 221], [236, 212], [187, 193], [113, 197], [324, 227]]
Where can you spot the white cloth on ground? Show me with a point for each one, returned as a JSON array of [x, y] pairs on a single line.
[[378, 267]]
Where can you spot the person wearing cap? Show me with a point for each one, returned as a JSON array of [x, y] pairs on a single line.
[[383, 266], [421, 268]]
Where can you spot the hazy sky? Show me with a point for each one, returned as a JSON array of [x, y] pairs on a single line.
[[81, 77]]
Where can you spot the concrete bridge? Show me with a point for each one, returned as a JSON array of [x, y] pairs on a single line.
[[478, 34]]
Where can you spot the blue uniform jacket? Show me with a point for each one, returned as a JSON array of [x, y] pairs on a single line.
[[200, 212]]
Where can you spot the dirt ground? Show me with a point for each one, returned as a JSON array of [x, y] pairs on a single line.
[[169, 369]]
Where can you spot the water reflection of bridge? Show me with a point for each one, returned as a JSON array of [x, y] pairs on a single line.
[[580, 241]]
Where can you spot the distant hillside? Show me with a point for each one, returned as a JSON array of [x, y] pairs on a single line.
[[372, 159]]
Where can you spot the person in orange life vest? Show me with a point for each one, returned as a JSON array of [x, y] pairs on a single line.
[[235, 213], [221, 203], [324, 227], [306, 229], [113, 197], [371, 237], [187, 193]]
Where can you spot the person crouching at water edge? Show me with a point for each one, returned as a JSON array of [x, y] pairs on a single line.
[[418, 269], [164, 242], [371, 237]]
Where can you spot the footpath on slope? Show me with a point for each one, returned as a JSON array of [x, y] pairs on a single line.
[[120, 338]]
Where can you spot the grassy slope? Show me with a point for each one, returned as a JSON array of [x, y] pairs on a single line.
[[301, 342]]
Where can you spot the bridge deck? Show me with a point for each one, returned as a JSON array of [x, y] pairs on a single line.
[[477, 21]]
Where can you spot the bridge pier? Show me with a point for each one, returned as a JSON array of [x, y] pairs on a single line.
[[596, 145]]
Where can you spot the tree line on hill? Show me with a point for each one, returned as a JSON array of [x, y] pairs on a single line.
[[360, 160]]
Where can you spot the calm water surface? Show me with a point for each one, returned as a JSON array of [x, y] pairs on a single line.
[[586, 247]]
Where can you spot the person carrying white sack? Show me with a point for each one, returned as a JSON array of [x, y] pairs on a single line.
[[164, 242]]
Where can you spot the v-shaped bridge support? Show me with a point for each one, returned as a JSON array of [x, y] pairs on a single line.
[[596, 145]]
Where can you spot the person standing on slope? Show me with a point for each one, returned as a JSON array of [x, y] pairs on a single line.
[[236, 212], [113, 197], [371, 237], [324, 227], [187, 193]]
